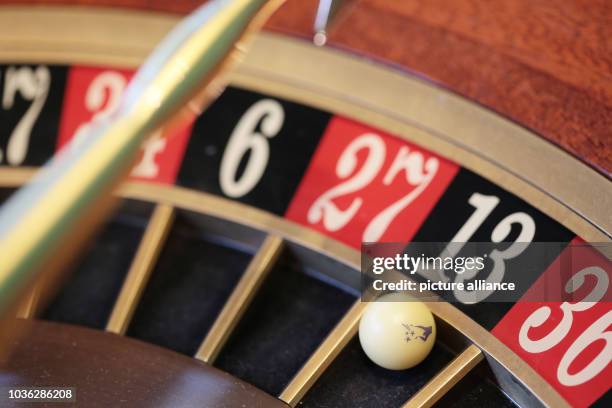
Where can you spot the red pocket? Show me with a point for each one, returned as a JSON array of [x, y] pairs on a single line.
[[363, 185], [94, 93], [569, 343]]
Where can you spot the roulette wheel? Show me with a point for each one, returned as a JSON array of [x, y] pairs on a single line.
[[229, 275]]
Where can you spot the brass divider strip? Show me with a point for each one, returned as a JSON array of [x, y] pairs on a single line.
[[318, 362], [240, 299], [446, 379], [29, 305], [140, 270]]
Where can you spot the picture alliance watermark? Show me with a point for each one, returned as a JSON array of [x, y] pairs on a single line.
[[474, 272]]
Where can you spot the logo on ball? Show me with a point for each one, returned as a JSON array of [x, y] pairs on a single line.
[[417, 332]]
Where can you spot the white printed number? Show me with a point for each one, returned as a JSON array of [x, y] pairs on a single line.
[[33, 85], [484, 205], [597, 331], [417, 172], [102, 99], [245, 138]]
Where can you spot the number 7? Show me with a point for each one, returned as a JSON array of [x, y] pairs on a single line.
[[32, 85]]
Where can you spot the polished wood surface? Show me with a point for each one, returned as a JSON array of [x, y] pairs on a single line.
[[545, 65], [104, 368]]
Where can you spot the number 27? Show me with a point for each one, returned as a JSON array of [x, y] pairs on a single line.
[[418, 172]]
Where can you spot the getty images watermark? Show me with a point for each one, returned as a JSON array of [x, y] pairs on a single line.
[[474, 272]]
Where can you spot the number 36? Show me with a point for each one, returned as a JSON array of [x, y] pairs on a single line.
[[597, 330]]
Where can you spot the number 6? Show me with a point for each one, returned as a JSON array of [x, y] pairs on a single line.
[[244, 138]]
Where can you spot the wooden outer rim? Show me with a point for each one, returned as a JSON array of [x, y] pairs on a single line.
[[547, 66], [322, 77]]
